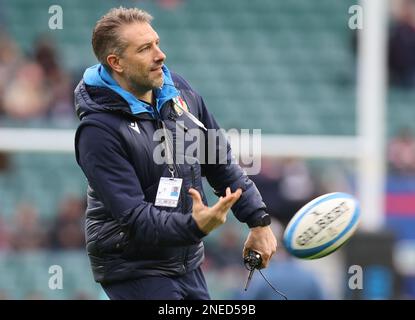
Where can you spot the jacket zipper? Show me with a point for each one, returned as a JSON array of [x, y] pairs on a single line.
[[192, 171], [186, 250], [183, 195]]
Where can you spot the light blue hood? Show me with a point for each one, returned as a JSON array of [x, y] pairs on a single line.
[[98, 76]]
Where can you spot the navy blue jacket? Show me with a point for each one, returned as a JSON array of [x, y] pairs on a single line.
[[127, 236]]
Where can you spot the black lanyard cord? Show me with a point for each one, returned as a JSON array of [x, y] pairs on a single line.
[[277, 291], [252, 261]]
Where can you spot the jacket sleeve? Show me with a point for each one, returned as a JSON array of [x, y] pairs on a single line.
[[223, 173], [105, 164]]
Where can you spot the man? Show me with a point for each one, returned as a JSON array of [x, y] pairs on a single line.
[[144, 243]]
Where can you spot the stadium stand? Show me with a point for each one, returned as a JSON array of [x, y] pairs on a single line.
[[288, 65]]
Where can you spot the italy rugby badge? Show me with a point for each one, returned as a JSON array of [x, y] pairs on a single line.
[[180, 105]]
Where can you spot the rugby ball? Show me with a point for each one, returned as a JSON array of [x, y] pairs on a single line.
[[322, 226]]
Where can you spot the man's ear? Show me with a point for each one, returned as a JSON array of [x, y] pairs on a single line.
[[114, 62]]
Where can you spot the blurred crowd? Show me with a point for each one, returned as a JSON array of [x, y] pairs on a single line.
[[27, 230], [401, 153], [401, 44], [33, 85]]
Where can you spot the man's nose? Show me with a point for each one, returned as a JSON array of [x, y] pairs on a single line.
[[160, 56]]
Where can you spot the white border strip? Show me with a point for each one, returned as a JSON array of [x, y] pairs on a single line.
[[62, 140], [39, 140]]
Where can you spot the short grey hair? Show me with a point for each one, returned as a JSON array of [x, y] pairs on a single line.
[[105, 37]]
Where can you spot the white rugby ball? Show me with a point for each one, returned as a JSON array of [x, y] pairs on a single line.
[[322, 225]]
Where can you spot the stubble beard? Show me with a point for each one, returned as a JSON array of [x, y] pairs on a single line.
[[140, 84]]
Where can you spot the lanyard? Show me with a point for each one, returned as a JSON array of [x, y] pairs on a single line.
[[169, 149], [168, 144], [168, 139], [192, 117]]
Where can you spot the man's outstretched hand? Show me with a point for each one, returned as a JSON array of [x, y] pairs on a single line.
[[209, 218]]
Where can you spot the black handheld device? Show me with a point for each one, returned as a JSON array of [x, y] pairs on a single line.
[[252, 261]]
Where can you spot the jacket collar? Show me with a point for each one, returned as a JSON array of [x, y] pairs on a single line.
[[98, 76]]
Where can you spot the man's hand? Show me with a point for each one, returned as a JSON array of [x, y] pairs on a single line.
[[208, 219], [263, 241]]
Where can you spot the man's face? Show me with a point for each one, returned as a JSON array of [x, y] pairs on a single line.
[[142, 59]]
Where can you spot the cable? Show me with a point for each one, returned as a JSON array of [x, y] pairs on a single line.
[[277, 291], [253, 261]]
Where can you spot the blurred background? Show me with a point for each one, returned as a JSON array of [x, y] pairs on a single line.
[[289, 68]]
